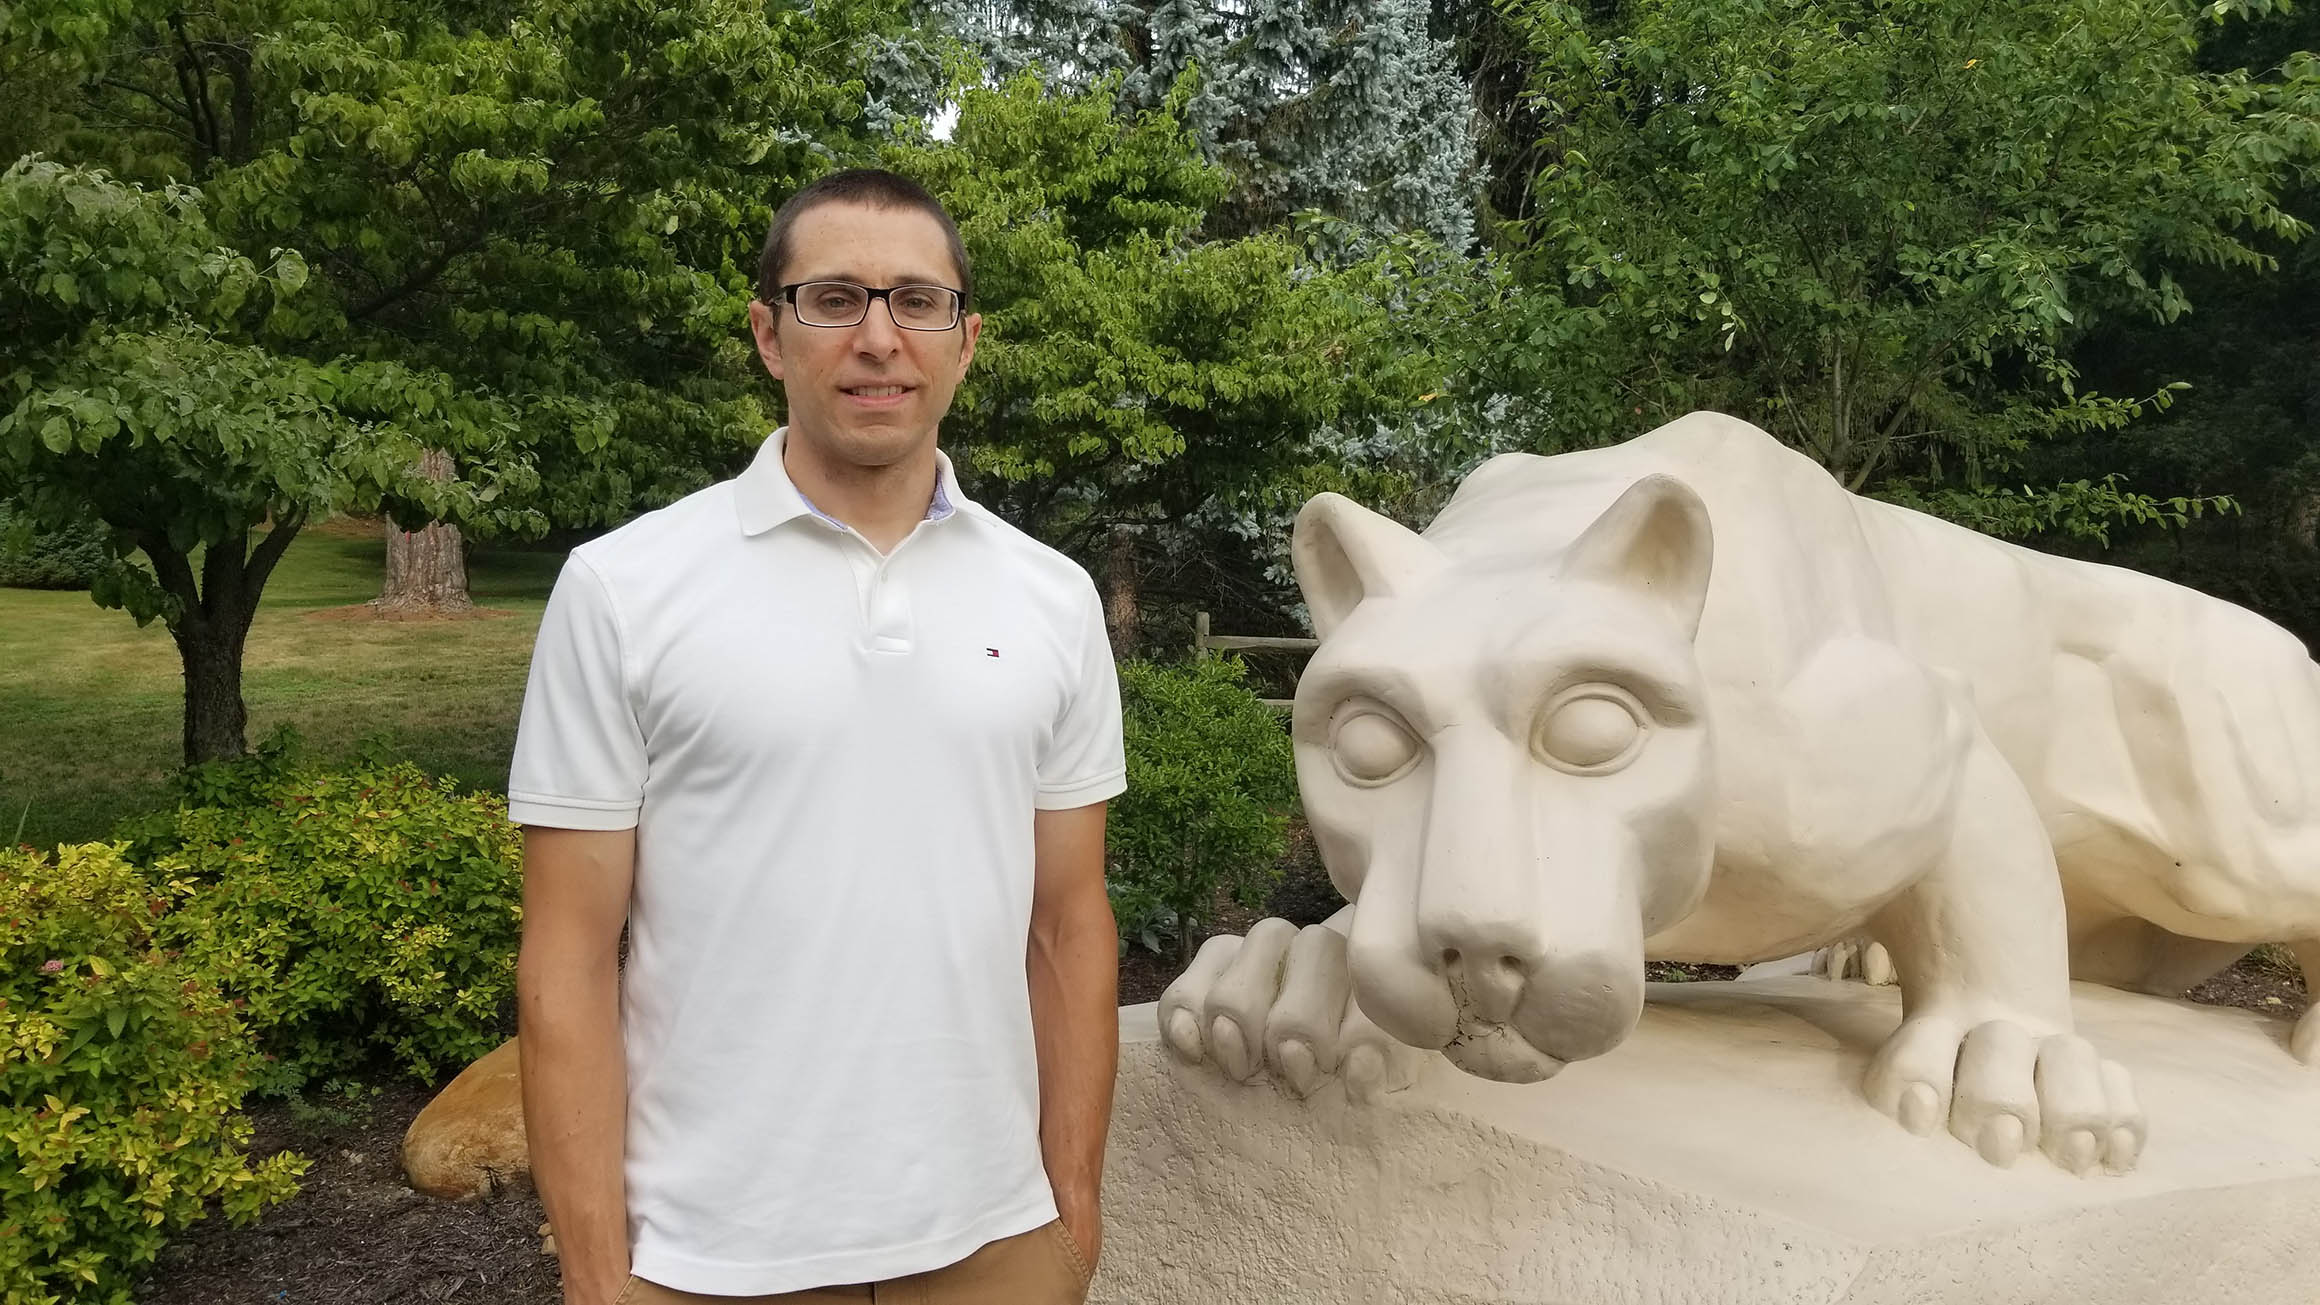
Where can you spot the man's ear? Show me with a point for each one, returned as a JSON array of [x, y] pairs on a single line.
[[1344, 554], [765, 327], [1655, 541], [972, 330]]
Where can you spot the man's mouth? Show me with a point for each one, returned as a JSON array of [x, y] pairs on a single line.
[[877, 391]]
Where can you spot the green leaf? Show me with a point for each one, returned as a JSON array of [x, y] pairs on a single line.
[[289, 270]]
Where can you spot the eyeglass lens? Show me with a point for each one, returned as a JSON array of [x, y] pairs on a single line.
[[842, 303]]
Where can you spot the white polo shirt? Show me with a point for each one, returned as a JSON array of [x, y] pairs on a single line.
[[831, 759]]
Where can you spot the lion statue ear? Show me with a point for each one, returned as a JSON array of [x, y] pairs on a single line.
[[1344, 553], [1654, 540]]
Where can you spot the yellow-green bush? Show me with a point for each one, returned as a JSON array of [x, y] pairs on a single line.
[[121, 1070], [366, 911]]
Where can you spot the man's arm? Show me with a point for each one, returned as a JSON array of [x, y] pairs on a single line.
[[575, 1078], [1074, 968]]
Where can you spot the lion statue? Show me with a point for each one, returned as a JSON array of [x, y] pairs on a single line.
[[1687, 698]]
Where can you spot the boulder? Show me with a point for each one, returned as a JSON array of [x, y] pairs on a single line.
[[469, 1141]]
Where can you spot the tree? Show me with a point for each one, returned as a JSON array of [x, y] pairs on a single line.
[[1348, 107], [2245, 427], [553, 208], [1492, 55], [1132, 375], [527, 231], [134, 389], [1875, 230]]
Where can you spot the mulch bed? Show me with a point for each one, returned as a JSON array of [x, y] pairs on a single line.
[[355, 1235], [2265, 981]]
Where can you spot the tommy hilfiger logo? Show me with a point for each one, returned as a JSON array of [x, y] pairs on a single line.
[[990, 652]]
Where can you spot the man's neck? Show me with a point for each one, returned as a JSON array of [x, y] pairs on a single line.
[[881, 504]]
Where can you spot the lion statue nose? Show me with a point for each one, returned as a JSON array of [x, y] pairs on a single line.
[[1488, 983], [1567, 1002]]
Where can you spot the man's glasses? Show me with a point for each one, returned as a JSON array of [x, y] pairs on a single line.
[[843, 303]]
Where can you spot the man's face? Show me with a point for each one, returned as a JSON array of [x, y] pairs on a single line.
[[870, 394]]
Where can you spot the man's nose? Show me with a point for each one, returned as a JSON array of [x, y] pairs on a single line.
[[878, 335]]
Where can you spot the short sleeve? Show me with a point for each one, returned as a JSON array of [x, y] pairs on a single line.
[[579, 756], [1086, 760]]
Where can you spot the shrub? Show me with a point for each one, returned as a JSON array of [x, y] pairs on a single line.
[[51, 559], [121, 1070], [1211, 787], [365, 911]]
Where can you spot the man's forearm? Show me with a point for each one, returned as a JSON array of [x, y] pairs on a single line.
[[1075, 1019], [575, 1084]]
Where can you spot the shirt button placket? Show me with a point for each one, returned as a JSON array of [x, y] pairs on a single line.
[[889, 611]]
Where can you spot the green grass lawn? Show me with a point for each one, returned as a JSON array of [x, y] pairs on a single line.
[[91, 706]]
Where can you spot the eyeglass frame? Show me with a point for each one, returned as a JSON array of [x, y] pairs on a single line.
[[870, 295]]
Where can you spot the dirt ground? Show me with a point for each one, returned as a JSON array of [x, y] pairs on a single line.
[[355, 1235], [2267, 981]]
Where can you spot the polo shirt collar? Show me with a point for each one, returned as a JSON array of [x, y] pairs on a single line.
[[765, 497]]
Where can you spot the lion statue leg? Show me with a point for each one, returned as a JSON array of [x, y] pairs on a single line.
[[1986, 1044], [1855, 958], [2305, 1041]]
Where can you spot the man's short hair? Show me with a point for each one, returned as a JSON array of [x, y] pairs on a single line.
[[874, 187]]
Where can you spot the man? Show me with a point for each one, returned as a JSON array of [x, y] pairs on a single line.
[[834, 743]]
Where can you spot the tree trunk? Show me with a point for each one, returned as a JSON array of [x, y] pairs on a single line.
[[211, 625], [1123, 614], [427, 567], [216, 720], [2303, 522]]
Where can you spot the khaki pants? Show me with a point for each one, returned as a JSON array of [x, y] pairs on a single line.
[[1040, 1267]]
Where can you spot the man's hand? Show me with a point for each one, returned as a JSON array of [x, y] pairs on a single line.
[[1083, 1218], [600, 1290]]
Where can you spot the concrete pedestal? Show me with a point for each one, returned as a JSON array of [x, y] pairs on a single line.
[[1722, 1154]]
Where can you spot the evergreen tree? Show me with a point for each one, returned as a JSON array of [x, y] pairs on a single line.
[[1349, 107]]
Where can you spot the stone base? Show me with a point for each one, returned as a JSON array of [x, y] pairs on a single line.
[[1722, 1154]]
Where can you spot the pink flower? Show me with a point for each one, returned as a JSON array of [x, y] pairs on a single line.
[[51, 967]]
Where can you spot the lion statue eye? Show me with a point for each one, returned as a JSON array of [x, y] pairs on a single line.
[[1589, 733], [1371, 749]]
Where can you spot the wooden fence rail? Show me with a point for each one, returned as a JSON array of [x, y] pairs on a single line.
[[1204, 643]]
